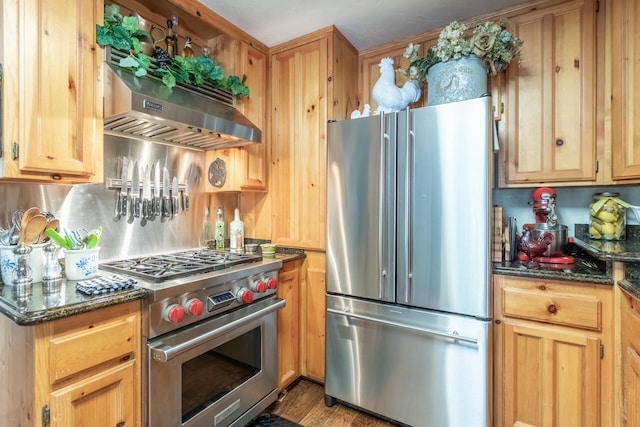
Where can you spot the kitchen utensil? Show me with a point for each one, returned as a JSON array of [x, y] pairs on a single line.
[[174, 196], [186, 196], [5, 236], [91, 241], [559, 235], [156, 190], [147, 207], [27, 215], [166, 199], [57, 238], [32, 229], [124, 187], [52, 223], [135, 191]]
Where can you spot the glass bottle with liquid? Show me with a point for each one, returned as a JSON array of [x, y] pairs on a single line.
[[236, 233], [172, 39], [206, 229], [219, 234]]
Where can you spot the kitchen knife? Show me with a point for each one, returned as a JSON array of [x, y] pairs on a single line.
[[166, 199], [124, 186], [186, 196], [147, 209], [135, 190], [174, 196], [156, 190]]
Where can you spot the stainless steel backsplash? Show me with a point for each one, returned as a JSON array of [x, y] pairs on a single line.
[[91, 205]]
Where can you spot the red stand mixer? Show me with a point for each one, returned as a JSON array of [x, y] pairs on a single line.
[[544, 241]]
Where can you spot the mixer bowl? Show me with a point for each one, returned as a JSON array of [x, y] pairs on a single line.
[[559, 233]]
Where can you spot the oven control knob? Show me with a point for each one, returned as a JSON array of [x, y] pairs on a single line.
[[173, 313], [244, 295], [272, 283], [258, 285], [194, 306]]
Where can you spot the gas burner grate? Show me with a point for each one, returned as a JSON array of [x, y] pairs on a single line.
[[158, 268]]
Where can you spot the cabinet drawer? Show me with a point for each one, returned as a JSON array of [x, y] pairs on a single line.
[[74, 352], [579, 310]]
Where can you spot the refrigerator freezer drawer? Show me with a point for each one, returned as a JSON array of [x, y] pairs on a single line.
[[414, 366]]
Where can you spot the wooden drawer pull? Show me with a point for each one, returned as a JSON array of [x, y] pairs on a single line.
[[552, 309]]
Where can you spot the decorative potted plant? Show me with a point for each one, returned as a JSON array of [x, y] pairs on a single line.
[[457, 67]]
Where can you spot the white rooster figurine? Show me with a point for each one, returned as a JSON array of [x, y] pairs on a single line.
[[387, 95]]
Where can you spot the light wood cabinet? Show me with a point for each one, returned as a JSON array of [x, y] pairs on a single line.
[[630, 326], [79, 370], [52, 91], [625, 89], [289, 324], [247, 166], [550, 103], [313, 79], [554, 353]]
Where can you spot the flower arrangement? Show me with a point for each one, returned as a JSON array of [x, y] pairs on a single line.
[[490, 41], [123, 33]]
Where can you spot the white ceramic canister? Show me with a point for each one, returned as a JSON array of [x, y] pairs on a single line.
[[8, 262], [81, 264]]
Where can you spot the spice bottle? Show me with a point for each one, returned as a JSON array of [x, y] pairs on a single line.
[[206, 229], [236, 233], [607, 215], [219, 231]]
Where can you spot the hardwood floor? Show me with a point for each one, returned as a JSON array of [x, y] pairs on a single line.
[[303, 403]]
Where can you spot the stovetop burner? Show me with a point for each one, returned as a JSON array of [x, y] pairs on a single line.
[[158, 268]]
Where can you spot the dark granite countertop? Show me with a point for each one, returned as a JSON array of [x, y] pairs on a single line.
[[584, 269], [627, 250], [39, 308]]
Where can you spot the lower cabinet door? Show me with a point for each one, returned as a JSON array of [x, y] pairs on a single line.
[[102, 400], [551, 376]]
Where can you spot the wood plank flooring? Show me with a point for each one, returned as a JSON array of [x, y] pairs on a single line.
[[303, 403]]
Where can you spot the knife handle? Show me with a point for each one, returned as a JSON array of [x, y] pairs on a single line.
[[157, 206], [145, 208], [186, 202], [135, 206], [123, 205], [166, 207], [174, 206]]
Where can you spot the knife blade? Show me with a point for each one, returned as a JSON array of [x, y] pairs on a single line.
[[135, 191], [124, 186], [174, 196], [147, 210], [156, 190], [166, 199]]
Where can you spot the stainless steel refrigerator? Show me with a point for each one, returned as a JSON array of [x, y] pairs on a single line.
[[409, 309]]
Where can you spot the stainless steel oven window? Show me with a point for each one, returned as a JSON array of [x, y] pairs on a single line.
[[216, 373]]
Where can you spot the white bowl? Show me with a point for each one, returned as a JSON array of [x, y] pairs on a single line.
[[81, 264], [8, 263]]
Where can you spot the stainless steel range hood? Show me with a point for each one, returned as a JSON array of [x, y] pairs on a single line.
[[197, 117]]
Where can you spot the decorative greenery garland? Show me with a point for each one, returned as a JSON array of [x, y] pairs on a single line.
[[124, 33]]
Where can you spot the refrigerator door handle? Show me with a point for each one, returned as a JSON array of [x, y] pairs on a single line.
[[384, 139], [426, 331], [407, 207]]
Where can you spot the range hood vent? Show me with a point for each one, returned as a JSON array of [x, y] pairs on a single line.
[[200, 117]]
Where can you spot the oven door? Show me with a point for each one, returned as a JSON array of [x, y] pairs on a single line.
[[217, 372]]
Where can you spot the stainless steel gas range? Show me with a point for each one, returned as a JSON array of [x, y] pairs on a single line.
[[210, 323]]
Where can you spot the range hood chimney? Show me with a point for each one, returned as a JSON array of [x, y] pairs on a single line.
[[199, 117]]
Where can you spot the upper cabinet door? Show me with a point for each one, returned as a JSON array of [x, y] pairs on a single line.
[[53, 110], [551, 126], [625, 88]]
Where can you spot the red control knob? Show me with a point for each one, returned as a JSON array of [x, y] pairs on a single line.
[[272, 283], [245, 296], [194, 307], [259, 286], [174, 313]]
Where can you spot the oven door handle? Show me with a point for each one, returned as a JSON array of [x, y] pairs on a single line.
[[166, 354]]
